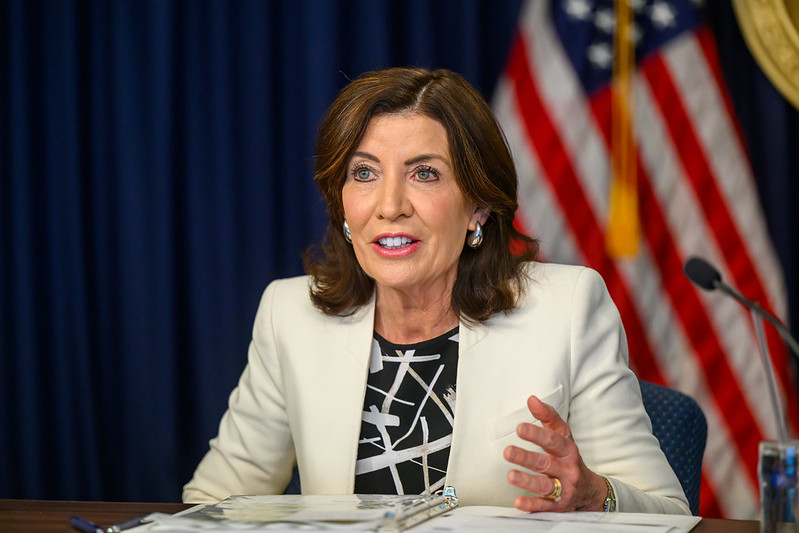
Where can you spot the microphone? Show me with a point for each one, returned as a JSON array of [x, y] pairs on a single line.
[[705, 276], [702, 273]]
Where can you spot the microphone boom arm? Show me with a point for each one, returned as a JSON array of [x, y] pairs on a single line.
[[773, 320]]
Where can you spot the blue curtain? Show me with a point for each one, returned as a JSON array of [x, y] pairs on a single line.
[[156, 165]]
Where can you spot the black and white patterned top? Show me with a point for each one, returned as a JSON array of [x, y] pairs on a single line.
[[408, 414]]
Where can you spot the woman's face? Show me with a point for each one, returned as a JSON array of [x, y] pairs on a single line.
[[406, 214]]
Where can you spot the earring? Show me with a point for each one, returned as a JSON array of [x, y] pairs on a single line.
[[477, 236], [347, 234]]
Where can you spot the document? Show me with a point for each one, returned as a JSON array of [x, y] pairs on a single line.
[[507, 520], [438, 513], [353, 512]]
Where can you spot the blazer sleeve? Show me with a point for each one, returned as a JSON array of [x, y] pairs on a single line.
[[253, 452], [606, 413]]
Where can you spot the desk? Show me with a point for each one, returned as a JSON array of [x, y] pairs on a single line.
[[33, 516]]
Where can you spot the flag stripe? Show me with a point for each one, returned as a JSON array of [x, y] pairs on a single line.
[[535, 195], [714, 202], [695, 321], [568, 109], [571, 198], [715, 139], [688, 227], [719, 134], [708, 46]]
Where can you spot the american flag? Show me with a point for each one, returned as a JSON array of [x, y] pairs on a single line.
[[696, 195]]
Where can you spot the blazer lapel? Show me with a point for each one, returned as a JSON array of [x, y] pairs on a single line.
[[359, 331], [350, 374], [470, 336]]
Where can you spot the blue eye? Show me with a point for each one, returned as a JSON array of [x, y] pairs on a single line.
[[363, 173], [426, 173]]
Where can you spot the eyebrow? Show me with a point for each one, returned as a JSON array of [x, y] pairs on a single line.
[[416, 159]]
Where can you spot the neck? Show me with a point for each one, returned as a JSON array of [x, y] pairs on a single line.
[[404, 318]]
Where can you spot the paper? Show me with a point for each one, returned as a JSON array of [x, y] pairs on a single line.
[[304, 513], [385, 513], [504, 520]]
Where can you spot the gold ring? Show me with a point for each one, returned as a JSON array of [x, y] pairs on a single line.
[[555, 494]]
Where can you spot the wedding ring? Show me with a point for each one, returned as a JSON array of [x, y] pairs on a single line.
[[555, 494]]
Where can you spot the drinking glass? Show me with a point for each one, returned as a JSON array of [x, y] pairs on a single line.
[[776, 466]]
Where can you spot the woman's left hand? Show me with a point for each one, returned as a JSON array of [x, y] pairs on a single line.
[[581, 489]]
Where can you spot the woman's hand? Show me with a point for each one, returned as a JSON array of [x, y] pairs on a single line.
[[581, 489]]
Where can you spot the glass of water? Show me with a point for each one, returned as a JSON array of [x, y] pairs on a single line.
[[777, 471]]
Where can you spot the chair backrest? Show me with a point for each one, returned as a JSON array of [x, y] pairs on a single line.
[[679, 424], [294, 483]]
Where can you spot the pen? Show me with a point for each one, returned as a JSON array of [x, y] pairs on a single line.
[[84, 525], [90, 527], [128, 524]]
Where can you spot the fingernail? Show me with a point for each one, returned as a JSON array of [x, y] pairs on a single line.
[[515, 476]]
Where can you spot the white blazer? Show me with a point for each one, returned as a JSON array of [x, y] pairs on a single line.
[[300, 397]]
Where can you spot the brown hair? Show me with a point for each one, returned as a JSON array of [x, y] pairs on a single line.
[[488, 278]]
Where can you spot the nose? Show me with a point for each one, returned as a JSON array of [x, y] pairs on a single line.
[[393, 199]]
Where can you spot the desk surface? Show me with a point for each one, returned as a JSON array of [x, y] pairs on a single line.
[[32, 516]]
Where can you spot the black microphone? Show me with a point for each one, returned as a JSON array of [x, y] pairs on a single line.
[[702, 273], [707, 277]]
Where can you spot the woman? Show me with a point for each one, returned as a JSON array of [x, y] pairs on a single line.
[[426, 347]]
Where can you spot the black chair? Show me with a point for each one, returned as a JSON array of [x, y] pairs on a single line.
[[679, 424], [294, 483]]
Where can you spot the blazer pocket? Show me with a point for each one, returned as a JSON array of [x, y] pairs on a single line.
[[506, 424]]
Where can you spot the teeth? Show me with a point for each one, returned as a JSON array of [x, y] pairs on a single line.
[[394, 242]]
